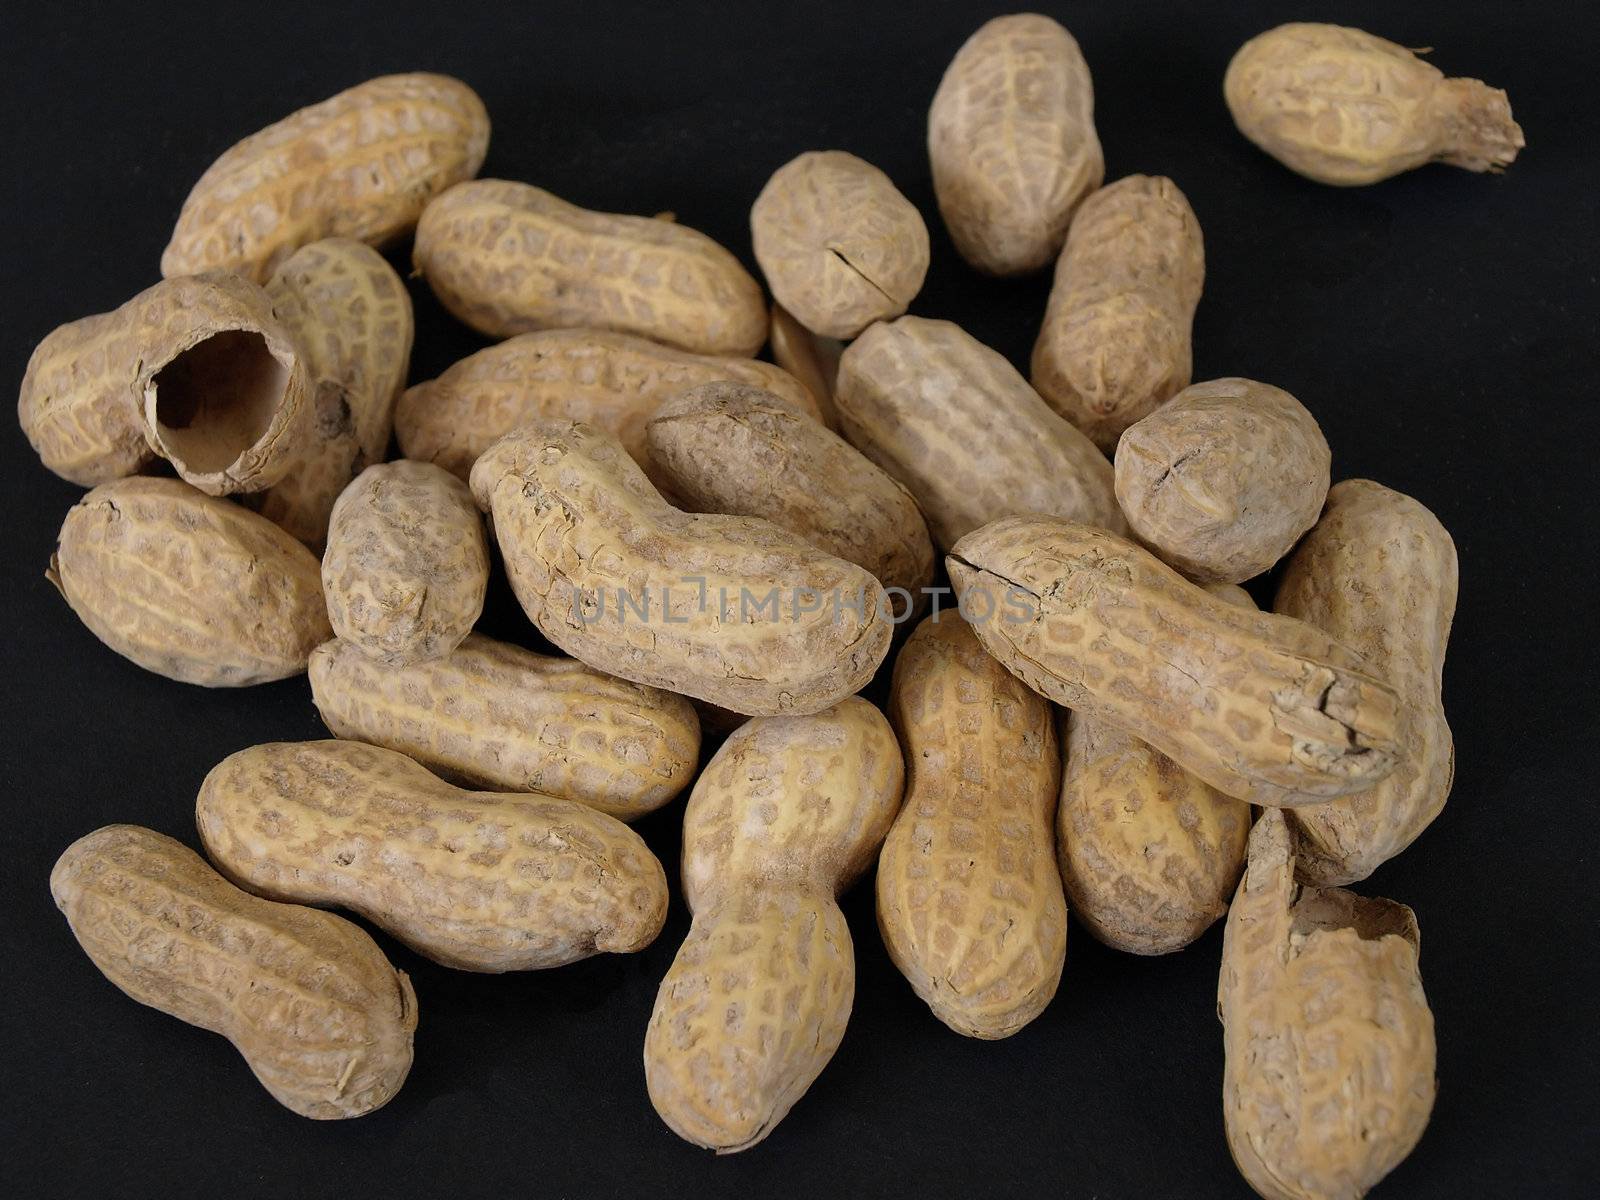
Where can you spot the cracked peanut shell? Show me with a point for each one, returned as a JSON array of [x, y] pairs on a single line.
[[321, 1017], [1262, 707], [190, 586]]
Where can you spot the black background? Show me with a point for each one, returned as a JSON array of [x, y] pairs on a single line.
[[1441, 326]]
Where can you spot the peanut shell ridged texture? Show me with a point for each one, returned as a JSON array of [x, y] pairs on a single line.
[[1012, 143], [480, 881], [1116, 339], [190, 586], [608, 380], [1379, 573], [360, 165], [812, 360], [1329, 1041], [969, 901], [310, 1001], [736, 449], [1264, 708], [496, 716], [732, 610], [786, 816], [1149, 854], [838, 243], [352, 316], [407, 563], [1343, 107], [954, 421], [509, 258], [1223, 479]]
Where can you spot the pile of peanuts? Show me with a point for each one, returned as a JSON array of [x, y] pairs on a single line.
[[713, 544]]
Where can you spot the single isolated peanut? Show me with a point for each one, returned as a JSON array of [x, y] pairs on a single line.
[[360, 165], [200, 370], [190, 586], [1117, 335], [1150, 854], [352, 316], [812, 360], [480, 881], [1012, 143], [1379, 573], [1329, 1041], [1223, 479], [608, 380], [732, 610], [957, 425], [1263, 708], [737, 449], [492, 715], [509, 258], [787, 815], [969, 901], [838, 243], [1343, 107], [323, 1019], [407, 564]]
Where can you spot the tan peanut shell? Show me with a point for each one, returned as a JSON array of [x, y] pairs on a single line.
[[1012, 143], [1116, 339], [509, 258], [480, 881], [732, 610], [786, 816], [608, 380], [954, 421], [1150, 855], [352, 316], [495, 716], [969, 901], [1379, 573], [838, 243], [1329, 1041], [189, 586], [1262, 707], [737, 449], [1343, 107], [360, 165], [812, 360], [323, 1020], [407, 563], [1223, 479]]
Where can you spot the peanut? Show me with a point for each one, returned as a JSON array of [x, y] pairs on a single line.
[[786, 816], [199, 369], [1149, 853], [480, 881], [1116, 339], [812, 360], [190, 586], [733, 448], [1329, 1042], [310, 1001], [1261, 707], [608, 380], [509, 258], [956, 423], [585, 538], [359, 165], [407, 563], [1379, 573], [496, 716], [352, 316], [838, 243], [969, 902], [1223, 479], [1012, 143], [1343, 107]]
